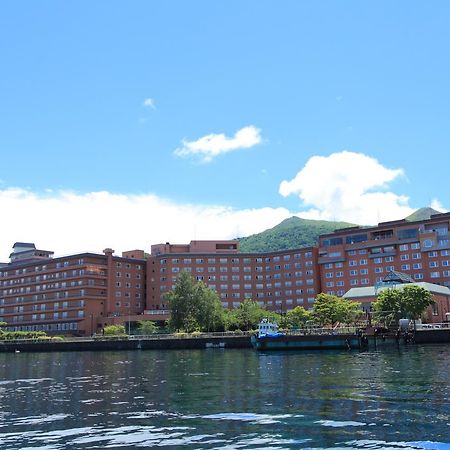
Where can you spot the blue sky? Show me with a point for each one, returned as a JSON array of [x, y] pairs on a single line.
[[104, 103]]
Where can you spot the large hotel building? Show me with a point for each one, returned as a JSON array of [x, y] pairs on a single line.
[[80, 294]]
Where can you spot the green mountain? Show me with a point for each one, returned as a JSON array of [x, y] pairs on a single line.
[[421, 214], [291, 233]]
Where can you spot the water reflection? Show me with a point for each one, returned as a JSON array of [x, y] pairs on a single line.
[[226, 399]]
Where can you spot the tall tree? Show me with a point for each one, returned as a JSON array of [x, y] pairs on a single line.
[[248, 315], [194, 307], [330, 309], [408, 302], [297, 317]]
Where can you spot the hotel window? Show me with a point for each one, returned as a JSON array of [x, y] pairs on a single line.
[[446, 273], [405, 266], [435, 274], [187, 261], [404, 257], [199, 278], [432, 264], [338, 265], [432, 254], [326, 266], [364, 271], [434, 309], [259, 260], [340, 283], [378, 269], [297, 256], [353, 282], [199, 261], [223, 277], [309, 281], [287, 257], [418, 276], [362, 252], [211, 260], [353, 272], [235, 277], [223, 260], [329, 275], [416, 256], [298, 274], [389, 259], [339, 274], [404, 247], [415, 246], [352, 262], [223, 269], [329, 284], [389, 268], [309, 254], [211, 269], [446, 263], [377, 260]]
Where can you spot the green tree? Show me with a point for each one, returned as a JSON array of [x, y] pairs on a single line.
[[114, 330], [146, 327], [297, 317], [330, 310], [194, 307], [408, 302], [248, 315]]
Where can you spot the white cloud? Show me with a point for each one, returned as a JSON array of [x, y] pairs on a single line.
[[69, 222], [149, 103], [437, 205], [212, 145], [347, 186]]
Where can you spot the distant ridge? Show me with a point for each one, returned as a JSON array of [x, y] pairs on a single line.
[[297, 233], [422, 214], [290, 233]]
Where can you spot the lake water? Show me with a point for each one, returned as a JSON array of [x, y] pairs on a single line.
[[226, 399]]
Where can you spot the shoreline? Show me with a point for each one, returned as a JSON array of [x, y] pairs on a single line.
[[171, 342]]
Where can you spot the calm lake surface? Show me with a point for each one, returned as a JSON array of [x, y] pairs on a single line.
[[226, 399]]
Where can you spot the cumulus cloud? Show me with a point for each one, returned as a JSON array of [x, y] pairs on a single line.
[[212, 145], [69, 222], [149, 103], [347, 186], [437, 205]]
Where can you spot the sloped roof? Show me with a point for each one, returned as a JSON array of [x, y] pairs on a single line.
[[400, 277], [369, 291]]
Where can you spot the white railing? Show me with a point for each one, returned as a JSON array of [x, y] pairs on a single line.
[[433, 326]]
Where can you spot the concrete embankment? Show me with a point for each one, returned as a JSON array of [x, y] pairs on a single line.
[[160, 343], [202, 342]]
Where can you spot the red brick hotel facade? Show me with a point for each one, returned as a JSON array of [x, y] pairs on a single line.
[[80, 294]]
